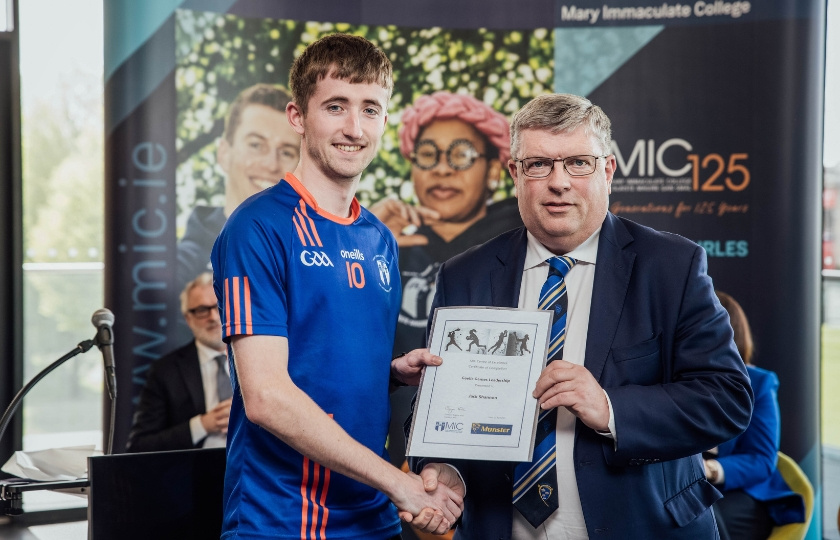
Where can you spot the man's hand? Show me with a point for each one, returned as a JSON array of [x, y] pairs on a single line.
[[563, 384], [409, 367], [435, 474], [442, 505], [403, 219], [216, 419]]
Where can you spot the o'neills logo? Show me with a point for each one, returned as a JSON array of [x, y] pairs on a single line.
[[315, 258], [491, 429], [356, 254]]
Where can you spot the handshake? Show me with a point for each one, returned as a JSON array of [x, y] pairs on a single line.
[[432, 501]]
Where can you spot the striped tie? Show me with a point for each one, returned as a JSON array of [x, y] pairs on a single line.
[[535, 483], [222, 378]]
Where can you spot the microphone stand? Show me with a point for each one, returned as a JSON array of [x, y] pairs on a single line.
[[84, 346], [11, 494]]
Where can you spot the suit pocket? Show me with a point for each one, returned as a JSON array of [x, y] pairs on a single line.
[[640, 363], [689, 503]]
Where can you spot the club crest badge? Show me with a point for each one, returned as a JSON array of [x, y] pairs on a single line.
[[384, 273], [545, 492]]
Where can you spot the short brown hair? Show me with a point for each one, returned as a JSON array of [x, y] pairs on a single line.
[[260, 94], [558, 113], [740, 326], [346, 57]]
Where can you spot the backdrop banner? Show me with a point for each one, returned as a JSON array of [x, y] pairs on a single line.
[[716, 109]]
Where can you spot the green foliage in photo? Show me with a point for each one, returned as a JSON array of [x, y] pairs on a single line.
[[219, 55]]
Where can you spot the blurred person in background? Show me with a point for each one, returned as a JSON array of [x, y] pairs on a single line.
[[755, 496], [258, 146], [458, 147], [186, 400]]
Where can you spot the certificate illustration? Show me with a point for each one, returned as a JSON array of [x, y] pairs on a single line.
[[478, 403]]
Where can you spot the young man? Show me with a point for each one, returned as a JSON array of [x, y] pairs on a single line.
[[643, 373], [309, 291], [256, 149]]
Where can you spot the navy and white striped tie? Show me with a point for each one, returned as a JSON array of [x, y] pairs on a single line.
[[535, 483]]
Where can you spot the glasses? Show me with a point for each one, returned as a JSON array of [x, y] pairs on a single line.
[[540, 167], [202, 312], [460, 155]]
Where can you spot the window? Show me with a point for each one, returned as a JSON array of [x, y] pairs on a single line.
[[7, 18], [830, 409], [62, 118]]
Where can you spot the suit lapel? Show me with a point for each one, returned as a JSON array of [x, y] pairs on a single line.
[[506, 277], [190, 369], [612, 278]]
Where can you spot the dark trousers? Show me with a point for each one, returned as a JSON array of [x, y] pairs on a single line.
[[740, 517]]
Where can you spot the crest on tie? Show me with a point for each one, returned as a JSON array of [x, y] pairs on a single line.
[[545, 492]]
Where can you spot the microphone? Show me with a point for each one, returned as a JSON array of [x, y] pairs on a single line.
[[103, 319]]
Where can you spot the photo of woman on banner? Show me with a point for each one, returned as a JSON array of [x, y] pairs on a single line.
[[257, 147], [458, 147]]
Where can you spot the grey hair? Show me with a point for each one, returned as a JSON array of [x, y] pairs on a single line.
[[204, 278], [559, 113]]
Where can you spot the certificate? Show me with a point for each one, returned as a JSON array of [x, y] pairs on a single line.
[[478, 403]]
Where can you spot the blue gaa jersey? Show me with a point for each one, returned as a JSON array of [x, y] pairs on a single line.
[[283, 267]]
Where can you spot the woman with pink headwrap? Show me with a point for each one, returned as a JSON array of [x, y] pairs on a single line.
[[458, 146]]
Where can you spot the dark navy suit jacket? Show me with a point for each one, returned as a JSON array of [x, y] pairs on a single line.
[[173, 394], [661, 346]]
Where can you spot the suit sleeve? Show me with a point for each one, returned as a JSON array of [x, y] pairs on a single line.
[[753, 458], [703, 397], [150, 430]]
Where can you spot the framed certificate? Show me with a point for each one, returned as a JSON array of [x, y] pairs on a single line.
[[478, 403]]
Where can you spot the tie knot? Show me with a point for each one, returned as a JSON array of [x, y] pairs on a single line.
[[220, 359], [561, 265]]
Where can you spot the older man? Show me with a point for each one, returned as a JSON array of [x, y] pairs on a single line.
[[186, 401], [642, 375]]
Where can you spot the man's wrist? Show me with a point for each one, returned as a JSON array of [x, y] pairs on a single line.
[[394, 381], [197, 429]]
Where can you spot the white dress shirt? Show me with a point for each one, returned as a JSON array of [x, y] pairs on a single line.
[[209, 370], [567, 522]]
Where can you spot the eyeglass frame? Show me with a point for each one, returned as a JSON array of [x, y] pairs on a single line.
[[203, 309], [448, 154], [555, 160]]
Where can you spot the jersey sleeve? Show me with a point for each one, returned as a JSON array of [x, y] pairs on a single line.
[[249, 277]]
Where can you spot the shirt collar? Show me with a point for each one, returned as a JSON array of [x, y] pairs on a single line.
[[537, 253], [206, 354]]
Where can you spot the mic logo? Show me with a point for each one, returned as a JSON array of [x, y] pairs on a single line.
[[315, 258], [451, 427]]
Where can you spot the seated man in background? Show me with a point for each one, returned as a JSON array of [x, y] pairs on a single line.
[[186, 401]]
